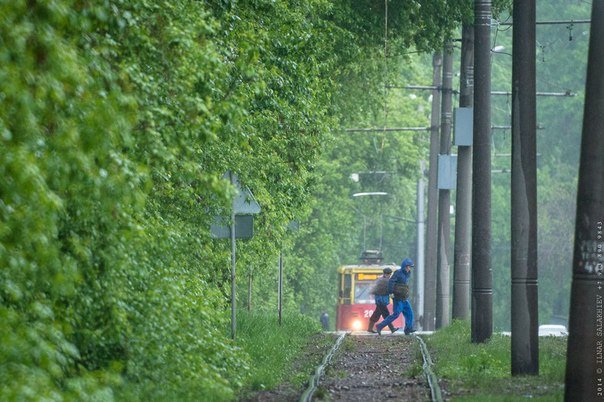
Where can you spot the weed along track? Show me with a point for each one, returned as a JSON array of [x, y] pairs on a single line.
[[373, 368]]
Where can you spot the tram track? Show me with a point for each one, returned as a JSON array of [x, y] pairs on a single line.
[[373, 368], [316, 377], [435, 393]]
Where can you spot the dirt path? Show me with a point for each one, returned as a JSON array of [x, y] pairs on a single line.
[[375, 368]]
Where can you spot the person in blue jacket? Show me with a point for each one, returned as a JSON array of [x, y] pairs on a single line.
[[398, 285], [382, 300]]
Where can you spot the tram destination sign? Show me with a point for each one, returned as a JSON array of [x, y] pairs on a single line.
[[367, 277]]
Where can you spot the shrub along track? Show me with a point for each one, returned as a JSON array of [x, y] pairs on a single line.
[[375, 368]]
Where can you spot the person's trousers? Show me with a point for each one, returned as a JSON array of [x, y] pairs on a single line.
[[400, 306], [380, 310]]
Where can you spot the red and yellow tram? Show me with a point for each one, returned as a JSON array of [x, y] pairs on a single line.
[[355, 301]]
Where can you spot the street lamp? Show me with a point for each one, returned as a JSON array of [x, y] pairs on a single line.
[[369, 193], [499, 49]]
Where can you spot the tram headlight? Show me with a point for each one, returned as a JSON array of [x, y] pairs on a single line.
[[357, 325]]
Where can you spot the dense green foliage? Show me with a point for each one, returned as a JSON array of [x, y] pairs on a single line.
[[480, 372], [96, 150], [117, 120]]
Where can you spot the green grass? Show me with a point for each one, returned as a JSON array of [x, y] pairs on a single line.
[[479, 372], [276, 351]]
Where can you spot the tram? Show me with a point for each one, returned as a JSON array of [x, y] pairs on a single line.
[[355, 301]]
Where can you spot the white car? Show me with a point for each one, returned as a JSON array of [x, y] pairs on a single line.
[[546, 330], [552, 330]]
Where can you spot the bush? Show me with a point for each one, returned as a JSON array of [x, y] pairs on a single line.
[[98, 283]]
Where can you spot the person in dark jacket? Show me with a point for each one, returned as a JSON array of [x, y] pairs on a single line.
[[325, 321], [398, 285], [382, 300]]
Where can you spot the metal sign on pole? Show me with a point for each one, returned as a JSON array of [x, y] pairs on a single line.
[[447, 172], [243, 209], [244, 227]]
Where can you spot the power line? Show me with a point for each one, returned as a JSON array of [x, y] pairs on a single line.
[[554, 22], [568, 93], [391, 129], [422, 87], [564, 94], [355, 130]]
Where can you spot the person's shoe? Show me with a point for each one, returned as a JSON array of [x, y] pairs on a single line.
[[409, 331], [378, 330], [372, 331], [394, 329]]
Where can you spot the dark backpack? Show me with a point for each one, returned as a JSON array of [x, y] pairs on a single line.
[[401, 291]]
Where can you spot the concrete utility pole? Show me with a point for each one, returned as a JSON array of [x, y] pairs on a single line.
[[585, 360], [463, 203], [421, 243], [482, 276], [444, 195], [525, 322], [432, 224]]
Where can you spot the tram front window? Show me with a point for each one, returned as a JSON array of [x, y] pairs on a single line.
[[362, 292]]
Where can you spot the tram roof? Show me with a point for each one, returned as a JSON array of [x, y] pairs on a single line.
[[366, 268]]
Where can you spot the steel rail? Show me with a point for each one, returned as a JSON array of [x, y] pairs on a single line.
[[314, 379], [435, 392]]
